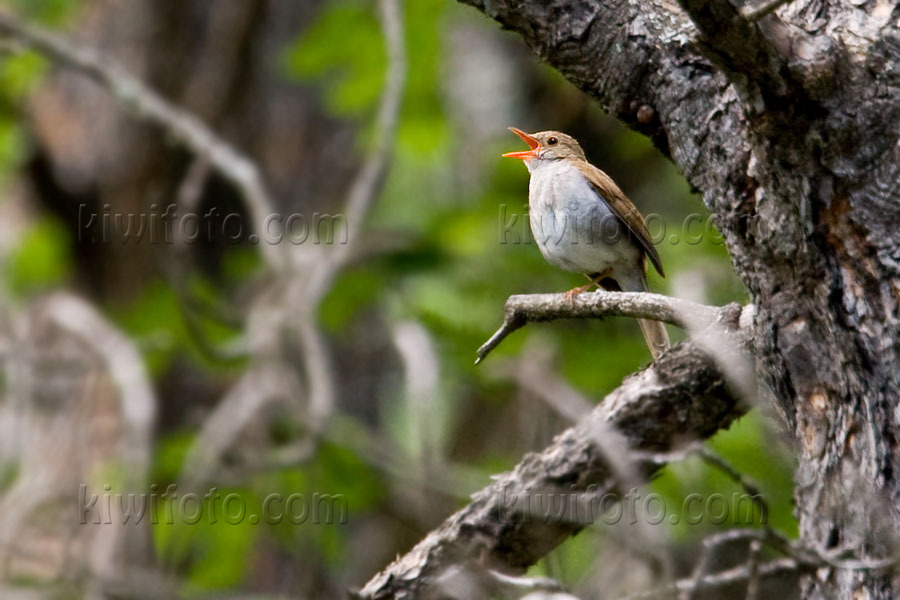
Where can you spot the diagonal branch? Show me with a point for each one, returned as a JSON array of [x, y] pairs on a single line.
[[523, 309], [680, 397]]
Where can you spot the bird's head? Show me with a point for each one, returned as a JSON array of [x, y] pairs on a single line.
[[546, 146]]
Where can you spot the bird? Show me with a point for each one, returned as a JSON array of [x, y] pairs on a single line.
[[583, 223]]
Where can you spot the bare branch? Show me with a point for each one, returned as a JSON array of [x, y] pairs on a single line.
[[257, 387], [681, 396], [722, 579], [753, 570], [369, 180], [367, 185], [523, 309], [323, 267], [126, 368], [767, 8]]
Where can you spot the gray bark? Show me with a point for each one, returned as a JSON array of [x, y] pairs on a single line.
[[789, 125]]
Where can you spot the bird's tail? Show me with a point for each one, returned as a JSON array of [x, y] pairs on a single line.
[[655, 333]]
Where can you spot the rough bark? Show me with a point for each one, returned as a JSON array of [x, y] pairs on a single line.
[[527, 308], [679, 398], [790, 127]]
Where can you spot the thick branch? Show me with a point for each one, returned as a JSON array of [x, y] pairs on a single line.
[[523, 309], [680, 397], [738, 43]]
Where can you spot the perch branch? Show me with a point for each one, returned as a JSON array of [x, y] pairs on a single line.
[[531, 308], [681, 396]]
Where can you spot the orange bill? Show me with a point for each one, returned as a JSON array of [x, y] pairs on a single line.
[[528, 139]]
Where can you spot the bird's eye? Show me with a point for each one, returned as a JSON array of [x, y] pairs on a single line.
[[552, 141]]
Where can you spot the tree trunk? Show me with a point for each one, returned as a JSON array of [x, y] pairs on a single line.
[[788, 122]]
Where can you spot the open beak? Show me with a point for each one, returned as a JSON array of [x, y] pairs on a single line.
[[532, 143]]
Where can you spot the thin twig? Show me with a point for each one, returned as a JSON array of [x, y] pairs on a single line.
[[770, 569], [369, 181], [364, 191], [711, 545], [753, 569], [525, 584], [720, 462]]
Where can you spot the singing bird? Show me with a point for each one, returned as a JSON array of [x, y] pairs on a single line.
[[584, 223]]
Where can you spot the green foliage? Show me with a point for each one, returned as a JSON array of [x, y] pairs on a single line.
[[41, 260], [20, 74], [170, 329], [214, 546], [49, 12], [345, 52], [749, 448], [240, 264]]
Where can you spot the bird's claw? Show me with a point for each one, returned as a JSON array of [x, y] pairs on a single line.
[[570, 295]]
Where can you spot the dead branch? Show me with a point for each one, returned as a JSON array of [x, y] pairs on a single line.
[[771, 569], [532, 308]]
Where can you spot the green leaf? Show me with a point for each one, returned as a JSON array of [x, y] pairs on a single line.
[[343, 50], [42, 260]]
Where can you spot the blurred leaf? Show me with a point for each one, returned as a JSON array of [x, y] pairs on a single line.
[[168, 459], [239, 264], [42, 259], [353, 291], [344, 50], [20, 73], [50, 12], [216, 551], [157, 319]]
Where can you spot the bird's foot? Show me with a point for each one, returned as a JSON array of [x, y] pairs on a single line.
[[570, 295]]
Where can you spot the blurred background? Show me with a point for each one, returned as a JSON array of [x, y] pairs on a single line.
[[138, 365]]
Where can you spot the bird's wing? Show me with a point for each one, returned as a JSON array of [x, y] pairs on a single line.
[[622, 207]]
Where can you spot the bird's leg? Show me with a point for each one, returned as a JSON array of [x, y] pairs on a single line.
[[595, 280]]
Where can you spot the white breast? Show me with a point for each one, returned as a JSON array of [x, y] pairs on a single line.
[[572, 224]]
